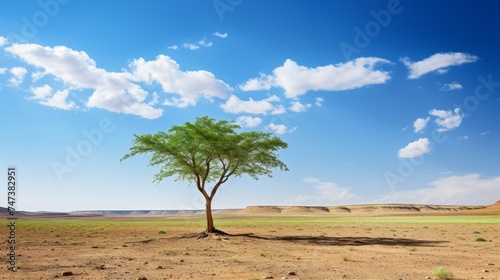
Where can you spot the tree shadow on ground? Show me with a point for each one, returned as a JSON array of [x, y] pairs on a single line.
[[345, 241]]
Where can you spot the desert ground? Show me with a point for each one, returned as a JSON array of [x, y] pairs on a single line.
[[348, 242]]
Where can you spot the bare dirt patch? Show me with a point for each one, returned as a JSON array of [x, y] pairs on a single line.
[[309, 246]]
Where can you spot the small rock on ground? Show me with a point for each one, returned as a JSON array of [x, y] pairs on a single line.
[[66, 273]]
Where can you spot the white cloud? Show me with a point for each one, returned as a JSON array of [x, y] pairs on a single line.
[[249, 121], [278, 110], [220, 35], [319, 101], [442, 71], [190, 46], [465, 137], [485, 132], [436, 62], [264, 82], [420, 124], [121, 91], [298, 107], [325, 194], [17, 76], [235, 105], [173, 47], [277, 128], [154, 99], [451, 86], [447, 120], [179, 102], [273, 98], [41, 92], [203, 42], [3, 70], [415, 149], [190, 85], [469, 189], [3, 41], [297, 80], [112, 91], [35, 76], [57, 100]]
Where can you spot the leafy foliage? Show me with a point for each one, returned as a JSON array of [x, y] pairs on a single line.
[[209, 151]]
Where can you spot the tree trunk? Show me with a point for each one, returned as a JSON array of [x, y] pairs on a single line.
[[208, 212]]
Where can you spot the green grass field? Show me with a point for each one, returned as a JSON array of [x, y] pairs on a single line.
[[252, 221]]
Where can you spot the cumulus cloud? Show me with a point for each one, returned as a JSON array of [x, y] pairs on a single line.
[[437, 62], [447, 120], [469, 189], [41, 92], [248, 121], [273, 98], [3, 70], [220, 35], [297, 80], [415, 149], [120, 92], [420, 124], [451, 86], [319, 101], [58, 100], [298, 107], [263, 82], [235, 105], [18, 74], [277, 128], [325, 193], [190, 85], [112, 91], [45, 96]]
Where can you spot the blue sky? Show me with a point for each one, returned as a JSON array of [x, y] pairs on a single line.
[[380, 101]]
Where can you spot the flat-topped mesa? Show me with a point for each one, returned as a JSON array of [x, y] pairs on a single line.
[[362, 208]]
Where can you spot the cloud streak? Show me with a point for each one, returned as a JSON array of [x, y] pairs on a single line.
[[437, 62]]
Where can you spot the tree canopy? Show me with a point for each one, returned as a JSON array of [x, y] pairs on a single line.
[[209, 151]]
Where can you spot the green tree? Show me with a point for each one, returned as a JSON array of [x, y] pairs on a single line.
[[209, 152]]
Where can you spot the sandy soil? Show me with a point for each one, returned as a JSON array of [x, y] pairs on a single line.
[[317, 250]]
